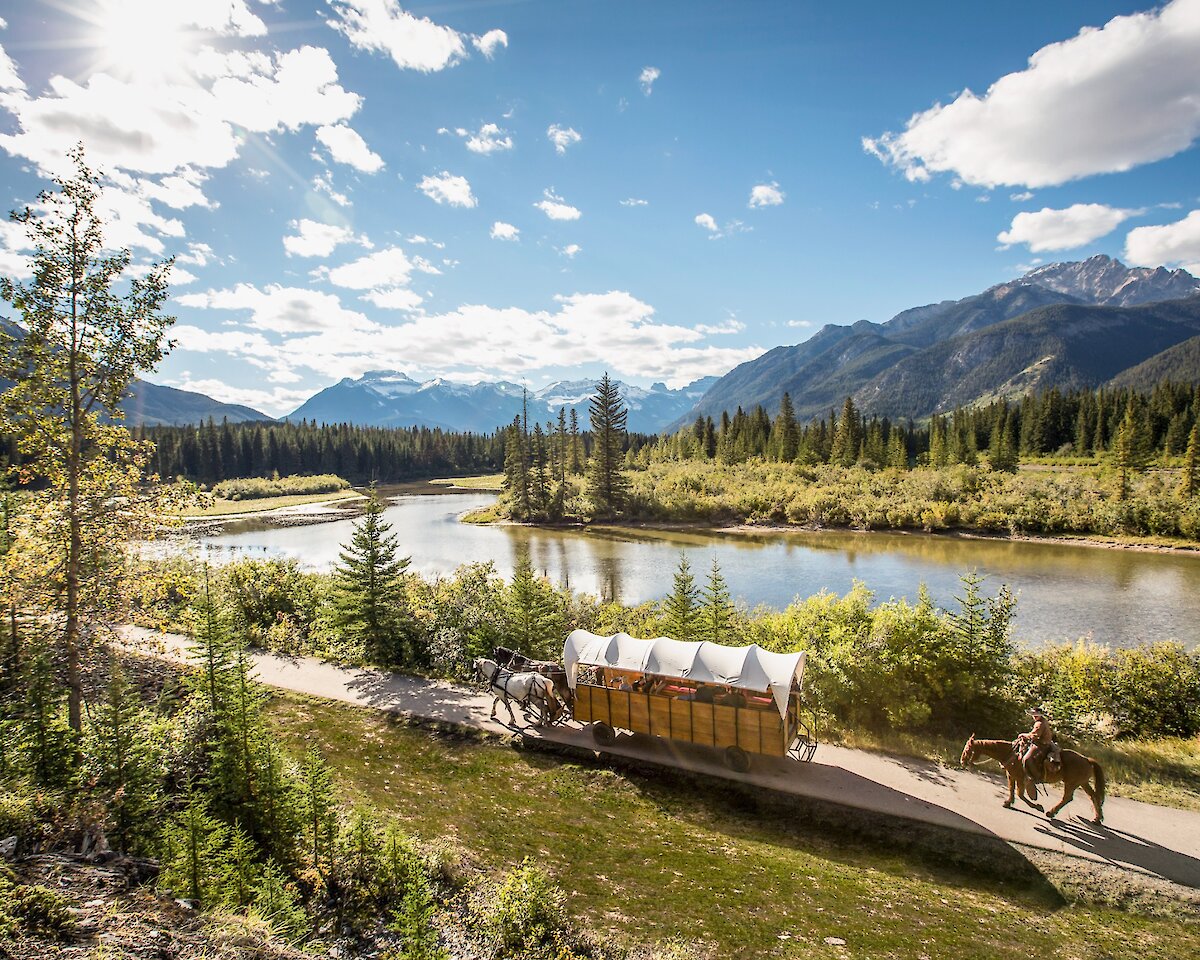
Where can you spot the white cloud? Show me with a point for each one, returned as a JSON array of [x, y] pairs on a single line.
[[647, 77], [706, 221], [490, 139], [715, 230], [556, 208], [181, 276], [504, 231], [1171, 244], [384, 268], [395, 298], [634, 202], [1074, 226], [314, 239], [571, 250], [490, 42], [198, 340], [302, 91], [447, 188], [562, 137], [1106, 100], [323, 183], [279, 401], [279, 309], [766, 195], [728, 326], [10, 79], [200, 254], [414, 43], [346, 145], [1023, 197]]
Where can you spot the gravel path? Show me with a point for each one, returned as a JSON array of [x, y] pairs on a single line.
[[1156, 841]]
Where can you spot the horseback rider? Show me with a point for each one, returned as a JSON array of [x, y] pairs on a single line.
[[1039, 744]]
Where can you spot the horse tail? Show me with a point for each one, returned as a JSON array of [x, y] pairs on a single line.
[[1098, 773]]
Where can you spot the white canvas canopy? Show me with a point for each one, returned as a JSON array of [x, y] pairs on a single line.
[[747, 668]]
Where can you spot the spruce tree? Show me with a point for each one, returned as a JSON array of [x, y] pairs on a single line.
[[1129, 450], [577, 451], [716, 609], [319, 811], [532, 614], [607, 485], [847, 436], [370, 596], [681, 609], [788, 433], [1187, 477]]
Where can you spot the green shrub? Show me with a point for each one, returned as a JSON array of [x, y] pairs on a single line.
[[32, 909], [526, 916], [1154, 690], [261, 488]]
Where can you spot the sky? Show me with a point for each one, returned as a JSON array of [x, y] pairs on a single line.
[[548, 189]]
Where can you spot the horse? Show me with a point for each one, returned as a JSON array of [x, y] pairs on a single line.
[[1003, 753], [517, 661], [1075, 771], [506, 686]]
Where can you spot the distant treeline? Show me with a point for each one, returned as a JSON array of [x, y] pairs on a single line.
[[214, 452], [1066, 423]]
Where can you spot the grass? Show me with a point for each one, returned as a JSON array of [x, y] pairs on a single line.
[[1166, 772], [224, 508], [648, 857], [491, 481]]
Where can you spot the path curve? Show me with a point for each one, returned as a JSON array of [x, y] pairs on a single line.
[[1156, 841]]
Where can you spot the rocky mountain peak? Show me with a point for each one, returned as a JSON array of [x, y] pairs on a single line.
[[1104, 280]]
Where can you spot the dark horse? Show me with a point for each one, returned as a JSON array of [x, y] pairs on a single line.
[[515, 660], [1074, 772]]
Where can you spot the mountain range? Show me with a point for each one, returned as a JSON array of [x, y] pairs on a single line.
[[1078, 324], [387, 398]]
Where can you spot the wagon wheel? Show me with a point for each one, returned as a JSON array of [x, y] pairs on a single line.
[[737, 759], [603, 734]]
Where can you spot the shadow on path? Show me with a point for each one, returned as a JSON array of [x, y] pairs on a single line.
[[1125, 849]]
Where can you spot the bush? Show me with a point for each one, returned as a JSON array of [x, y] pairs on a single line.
[[526, 916], [32, 909], [261, 488], [1154, 691]]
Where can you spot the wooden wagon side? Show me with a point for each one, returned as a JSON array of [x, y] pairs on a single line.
[[729, 728]]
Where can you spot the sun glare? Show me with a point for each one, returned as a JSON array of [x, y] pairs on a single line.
[[143, 38]]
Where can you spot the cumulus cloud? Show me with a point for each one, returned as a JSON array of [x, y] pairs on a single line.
[[504, 231], [413, 43], [315, 239], [706, 221], [347, 146], [634, 202], [448, 188], [562, 137], [556, 208], [389, 267], [279, 309], [571, 250], [1074, 226], [9, 77], [278, 401], [766, 195], [489, 139], [1103, 101], [1171, 244], [647, 77], [490, 42]]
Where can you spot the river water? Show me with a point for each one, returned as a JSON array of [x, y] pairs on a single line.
[[1119, 597]]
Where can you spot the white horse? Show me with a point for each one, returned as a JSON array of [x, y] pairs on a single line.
[[506, 686]]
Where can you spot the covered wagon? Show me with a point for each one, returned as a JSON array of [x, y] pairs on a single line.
[[742, 700]]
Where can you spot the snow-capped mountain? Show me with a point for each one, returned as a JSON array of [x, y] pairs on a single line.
[[388, 398], [1108, 282]]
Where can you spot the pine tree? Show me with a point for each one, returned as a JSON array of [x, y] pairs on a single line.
[[1130, 454], [319, 810], [846, 436], [577, 452], [517, 485], [608, 487], [532, 615], [1187, 477], [897, 454], [125, 764], [788, 431], [681, 609], [716, 609], [540, 474], [210, 647], [369, 590]]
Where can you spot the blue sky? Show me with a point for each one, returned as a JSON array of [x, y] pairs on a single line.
[[539, 190]]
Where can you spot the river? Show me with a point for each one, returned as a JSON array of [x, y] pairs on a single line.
[[1119, 597]]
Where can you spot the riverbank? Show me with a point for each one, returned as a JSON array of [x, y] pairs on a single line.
[[223, 509]]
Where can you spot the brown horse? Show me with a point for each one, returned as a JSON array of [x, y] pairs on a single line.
[[1075, 772], [1003, 753]]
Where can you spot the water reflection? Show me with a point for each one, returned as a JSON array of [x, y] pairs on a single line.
[[1119, 596]]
